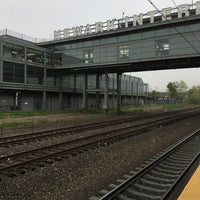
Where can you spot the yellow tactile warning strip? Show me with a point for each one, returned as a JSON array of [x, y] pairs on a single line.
[[192, 189]]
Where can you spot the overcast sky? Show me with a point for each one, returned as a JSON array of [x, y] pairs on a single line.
[[39, 18]]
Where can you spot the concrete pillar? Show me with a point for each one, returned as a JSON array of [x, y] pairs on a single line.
[[60, 100], [75, 95], [137, 93], [97, 92], [118, 92], [44, 100], [132, 93], [146, 93], [105, 103], [85, 94], [113, 90], [25, 69]]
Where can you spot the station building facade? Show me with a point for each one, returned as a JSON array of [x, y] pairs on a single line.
[[31, 79], [83, 66]]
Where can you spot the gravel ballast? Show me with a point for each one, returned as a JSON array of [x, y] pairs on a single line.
[[82, 176]]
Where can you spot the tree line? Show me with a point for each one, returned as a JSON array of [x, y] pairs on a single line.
[[178, 90]]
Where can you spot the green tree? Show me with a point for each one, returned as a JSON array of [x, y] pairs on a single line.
[[182, 89], [177, 90], [193, 95], [154, 94], [173, 90]]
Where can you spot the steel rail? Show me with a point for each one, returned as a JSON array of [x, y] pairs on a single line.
[[159, 178], [64, 131], [73, 146]]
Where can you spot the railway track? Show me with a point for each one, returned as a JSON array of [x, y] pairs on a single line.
[[20, 162], [161, 178], [42, 135]]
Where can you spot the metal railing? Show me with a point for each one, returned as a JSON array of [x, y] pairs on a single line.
[[23, 36]]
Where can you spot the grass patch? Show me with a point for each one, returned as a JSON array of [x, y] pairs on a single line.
[[23, 123], [133, 109], [137, 109], [15, 124], [176, 106], [17, 114]]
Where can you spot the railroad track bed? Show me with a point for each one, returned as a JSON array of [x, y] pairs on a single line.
[[95, 166], [21, 143], [159, 178], [92, 126], [21, 161]]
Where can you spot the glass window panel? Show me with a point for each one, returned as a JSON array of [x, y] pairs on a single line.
[[148, 34], [79, 57], [187, 29], [88, 56], [58, 59], [13, 51], [181, 29], [35, 56], [49, 59], [173, 31], [59, 47], [80, 54], [51, 78], [195, 27], [74, 57], [162, 47], [69, 57], [74, 45], [111, 40], [112, 51], [66, 46], [103, 50], [96, 42], [123, 52], [103, 41], [162, 32], [35, 75], [13, 72], [123, 38], [136, 36], [88, 43], [80, 44]]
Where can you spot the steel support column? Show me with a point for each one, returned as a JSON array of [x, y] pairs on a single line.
[[75, 94], [118, 92], [60, 100], [97, 92], [105, 104], [85, 93], [44, 100]]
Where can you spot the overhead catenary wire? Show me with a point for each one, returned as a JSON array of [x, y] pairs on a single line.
[[188, 25], [181, 34]]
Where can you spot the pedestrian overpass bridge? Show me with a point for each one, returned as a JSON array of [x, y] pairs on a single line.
[[158, 40], [154, 41]]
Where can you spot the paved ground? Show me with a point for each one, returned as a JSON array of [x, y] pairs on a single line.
[[191, 191]]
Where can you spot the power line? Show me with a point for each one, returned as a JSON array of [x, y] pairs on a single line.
[[188, 25], [174, 27]]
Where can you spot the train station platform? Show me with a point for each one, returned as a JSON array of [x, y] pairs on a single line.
[[192, 189]]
